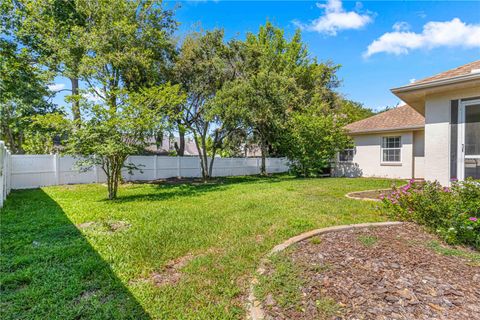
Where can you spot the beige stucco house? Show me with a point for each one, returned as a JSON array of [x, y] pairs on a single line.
[[434, 136]]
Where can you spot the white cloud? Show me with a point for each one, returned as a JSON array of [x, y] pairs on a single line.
[[454, 33], [401, 26], [56, 87], [92, 96], [336, 19]]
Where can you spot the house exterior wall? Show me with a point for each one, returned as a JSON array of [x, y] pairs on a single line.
[[367, 161], [437, 133], [419, 154]]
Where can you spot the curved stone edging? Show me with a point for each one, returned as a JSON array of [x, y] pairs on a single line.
[[349, 195], [254, 307]]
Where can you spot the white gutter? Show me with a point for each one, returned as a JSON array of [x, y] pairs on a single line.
[[437, 83]]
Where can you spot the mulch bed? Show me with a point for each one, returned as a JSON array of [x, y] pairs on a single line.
[[381, 273]]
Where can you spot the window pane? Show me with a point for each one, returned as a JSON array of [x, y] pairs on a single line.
[[391, 155], [472, 168], [472, 130], [391, 142], [346, 155], [396, 155]]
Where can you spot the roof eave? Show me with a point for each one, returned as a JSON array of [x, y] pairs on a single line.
[[410, 128], [436, 83]]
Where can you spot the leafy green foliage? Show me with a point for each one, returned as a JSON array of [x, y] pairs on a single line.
[[201, 68], [353, 111], [453, 213], [109, 136], [312, 140], [118, 52], [285, 102], [44, 131], [24, 92]]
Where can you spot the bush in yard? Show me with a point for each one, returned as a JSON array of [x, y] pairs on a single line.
[[312, 140], [452, 212]]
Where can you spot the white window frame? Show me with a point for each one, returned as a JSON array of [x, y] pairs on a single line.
[[347, 161], [461, 139], [382, 148]]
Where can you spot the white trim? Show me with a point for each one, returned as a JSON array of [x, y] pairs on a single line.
[[436, 83], [461, 138], [382, 161]]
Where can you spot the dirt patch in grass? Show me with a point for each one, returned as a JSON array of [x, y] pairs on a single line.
[[372, 194], [105, 227], [395, 272], [172, 271]]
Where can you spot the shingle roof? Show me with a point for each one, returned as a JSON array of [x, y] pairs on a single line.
[[459, 71], [403, 117]]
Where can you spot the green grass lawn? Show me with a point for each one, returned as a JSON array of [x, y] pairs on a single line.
[[67, 253]]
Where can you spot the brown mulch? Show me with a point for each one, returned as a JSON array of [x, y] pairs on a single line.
[[382, 273]]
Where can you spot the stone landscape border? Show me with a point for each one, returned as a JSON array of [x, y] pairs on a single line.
[[254, 306], [349, 195]]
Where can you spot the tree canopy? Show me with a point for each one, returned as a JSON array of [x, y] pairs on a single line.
[[265, 92]]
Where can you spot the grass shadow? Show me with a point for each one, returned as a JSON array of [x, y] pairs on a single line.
[[165, 191], [49, 270]]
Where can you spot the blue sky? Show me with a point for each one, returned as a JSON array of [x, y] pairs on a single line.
[[379, 44]]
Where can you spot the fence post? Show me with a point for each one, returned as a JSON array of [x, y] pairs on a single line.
[[179, 168], [8, 173], [2, 173], [56, 169], [155, 174]]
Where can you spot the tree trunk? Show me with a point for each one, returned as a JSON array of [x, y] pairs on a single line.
[[216, 144], [263, 166], [113, 170], [206, 176], [159, 139], [180, 148], [199, 150], [210, 168], [75, 101]]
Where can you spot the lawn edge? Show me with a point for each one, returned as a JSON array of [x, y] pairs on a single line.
[[349, 195], [254, 306]]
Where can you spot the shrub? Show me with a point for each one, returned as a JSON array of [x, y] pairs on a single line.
[[452, 212]]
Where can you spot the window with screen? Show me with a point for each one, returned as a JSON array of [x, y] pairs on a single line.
[[391, 149], [346, 155]]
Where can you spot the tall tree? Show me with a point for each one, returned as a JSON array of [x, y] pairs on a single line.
[[201, 69], [265, 90], [53, 30], [275, 78], [24, 93], [120, 53]]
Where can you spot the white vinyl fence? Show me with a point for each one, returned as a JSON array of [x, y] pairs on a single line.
[[32, 171], [5, 172]]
